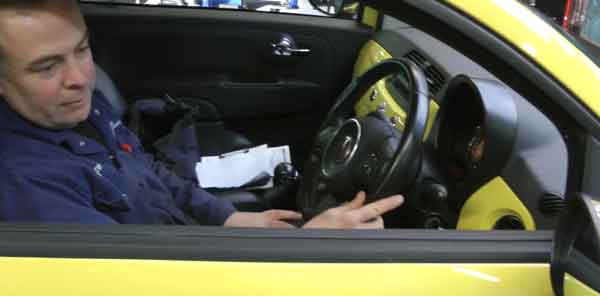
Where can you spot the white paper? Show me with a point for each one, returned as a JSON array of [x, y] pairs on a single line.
[[237, 168]]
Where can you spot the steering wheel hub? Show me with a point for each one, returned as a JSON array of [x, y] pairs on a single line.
[[357, 152], [341, 149]]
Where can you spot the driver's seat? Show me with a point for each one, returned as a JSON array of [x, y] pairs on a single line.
[[221, 140]]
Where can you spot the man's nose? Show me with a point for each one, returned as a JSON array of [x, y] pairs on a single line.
[[75, 75]]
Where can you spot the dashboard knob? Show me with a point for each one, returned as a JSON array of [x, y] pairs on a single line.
[[435, 192]]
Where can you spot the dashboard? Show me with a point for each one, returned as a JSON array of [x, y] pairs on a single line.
[[486, 147]]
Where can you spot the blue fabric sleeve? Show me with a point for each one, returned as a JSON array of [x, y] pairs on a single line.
[[39, 199], [206, 208]]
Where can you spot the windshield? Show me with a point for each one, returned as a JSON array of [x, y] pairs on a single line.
[[582, 21], [590, 21], [278, 6], [581, 24]]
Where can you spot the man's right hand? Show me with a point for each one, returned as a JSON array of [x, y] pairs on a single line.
[[355, 215]]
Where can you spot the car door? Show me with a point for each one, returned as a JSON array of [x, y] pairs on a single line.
[[159, 260]]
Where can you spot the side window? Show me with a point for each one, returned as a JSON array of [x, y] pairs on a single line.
[[590, 27], [582, 18], [303, 7]]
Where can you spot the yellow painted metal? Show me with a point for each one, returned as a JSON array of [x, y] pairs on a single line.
[[540, 42], [351, 8], [491, 202], [370, 17], [371, 54], [91, 277], [433, 110], [573, 286]]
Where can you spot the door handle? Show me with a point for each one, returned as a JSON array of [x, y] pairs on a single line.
[[286, 47]]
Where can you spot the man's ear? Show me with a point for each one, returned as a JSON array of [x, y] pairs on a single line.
[[2, 90], [2, 80]]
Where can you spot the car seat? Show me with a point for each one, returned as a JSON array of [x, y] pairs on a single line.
[[219, 140]]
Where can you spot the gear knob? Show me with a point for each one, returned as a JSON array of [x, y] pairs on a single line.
[[285, 174]]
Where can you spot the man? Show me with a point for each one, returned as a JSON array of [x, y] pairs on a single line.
[[64, 157]]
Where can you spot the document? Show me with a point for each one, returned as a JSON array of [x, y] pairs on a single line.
[[242, 168]]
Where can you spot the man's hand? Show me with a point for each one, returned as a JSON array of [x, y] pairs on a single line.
[[270, 219], [354, 215], [351, 215]]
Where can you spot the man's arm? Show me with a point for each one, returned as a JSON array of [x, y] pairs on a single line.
[[203, 206], [209, 209], [42, 199], [188, 196]]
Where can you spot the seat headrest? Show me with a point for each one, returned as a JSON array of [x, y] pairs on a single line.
[[106, 86]]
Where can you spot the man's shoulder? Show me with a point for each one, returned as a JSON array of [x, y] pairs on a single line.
[[102, 104], [17, 142], [24, 153], [25, 167]]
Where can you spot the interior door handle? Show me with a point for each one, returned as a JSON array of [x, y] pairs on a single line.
[[287, 47]]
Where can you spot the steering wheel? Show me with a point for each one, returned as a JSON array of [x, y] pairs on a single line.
[[367, 153]]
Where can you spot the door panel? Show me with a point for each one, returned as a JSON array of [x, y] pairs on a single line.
[[226, 58], [204, 53]]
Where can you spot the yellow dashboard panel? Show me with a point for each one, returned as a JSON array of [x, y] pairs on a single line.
[[378, 95], [573, 286], [481, 212]]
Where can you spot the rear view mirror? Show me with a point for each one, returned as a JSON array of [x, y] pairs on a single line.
[[575, 264]]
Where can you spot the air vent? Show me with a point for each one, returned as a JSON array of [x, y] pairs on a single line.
[[552, 205], [435, 78], [509, 223]]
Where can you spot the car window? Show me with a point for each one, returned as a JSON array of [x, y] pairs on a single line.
[[303, 7], [590, 22]]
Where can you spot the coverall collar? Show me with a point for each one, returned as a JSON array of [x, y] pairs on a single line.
[[12, 122]]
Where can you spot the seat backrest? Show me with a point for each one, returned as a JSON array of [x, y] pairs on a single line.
[[106, 86]]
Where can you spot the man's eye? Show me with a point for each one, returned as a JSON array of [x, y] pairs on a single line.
[[83, 48], [46, 68]]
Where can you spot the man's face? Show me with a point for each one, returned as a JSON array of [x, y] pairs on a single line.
[[48, 73]]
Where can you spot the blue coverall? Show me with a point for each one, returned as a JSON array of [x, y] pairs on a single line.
[[62, 176]]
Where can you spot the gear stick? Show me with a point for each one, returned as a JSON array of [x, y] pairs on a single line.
[[286, 179], [285, 174]]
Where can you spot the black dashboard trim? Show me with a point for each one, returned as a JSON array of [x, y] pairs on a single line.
[[206, 243], [493, 107]]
